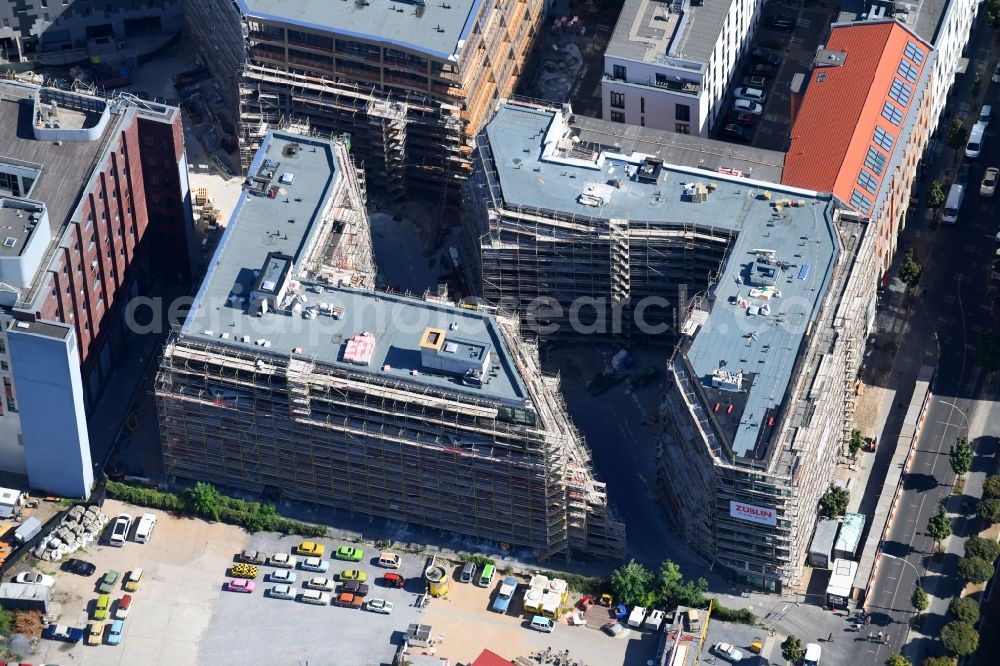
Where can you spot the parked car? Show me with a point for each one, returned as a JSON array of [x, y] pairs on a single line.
[[394, 580], [989, 184], [240, 585], [95, 632], [320, 583], [108, 582], [350, 554], [253, 557], [355, 587], [389, 560], [764, 56], [544, 624], [115, 632], [616, 630], [134, 580], [282, 561], [728, 652], [347, 600], [34, 578], [812, 655], [144, 528], [310, 548], [119, 530], [743, 119], [78, 567], [735, 133], [282, 592], [102, 607], [286, 576], [752, 94], [60, 632], [315, 597], [121, 610], [504, 595], [353, 574], [755, 81], [782, 23], [761, 69], [248, 571], [996, 74], [746, 106], [379, 606], [317, 564]]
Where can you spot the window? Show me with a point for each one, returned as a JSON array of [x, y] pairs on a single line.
[[891, 113], [682, 128], [682, 112], [618, 72], [617, 117], [617, 100], [860, 201], [900, 92], [913, 52], [883, 139], [907, 71], [867, 181], [875, 160]]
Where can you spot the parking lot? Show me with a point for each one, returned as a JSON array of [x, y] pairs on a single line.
[[796, 48]]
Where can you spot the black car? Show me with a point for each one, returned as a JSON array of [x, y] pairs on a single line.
[[735, 133], [79, 567], [763, 55], [761, 69]]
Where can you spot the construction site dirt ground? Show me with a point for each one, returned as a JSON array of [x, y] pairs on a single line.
[[184, 564], [464, 619]]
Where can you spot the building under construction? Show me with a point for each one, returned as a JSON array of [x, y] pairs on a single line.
[[292, 378], [767, 291], [411, 82]]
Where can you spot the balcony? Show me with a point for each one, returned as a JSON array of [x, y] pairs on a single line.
[[268, 53], [367, 56], [672, 84], [312, 46]]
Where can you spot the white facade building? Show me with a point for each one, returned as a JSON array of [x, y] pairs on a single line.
[[668, 63]]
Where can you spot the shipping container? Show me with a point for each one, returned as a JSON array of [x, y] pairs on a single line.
[[821, 549]]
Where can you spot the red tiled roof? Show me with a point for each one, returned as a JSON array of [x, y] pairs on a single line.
[[487, 658], [842, 108]]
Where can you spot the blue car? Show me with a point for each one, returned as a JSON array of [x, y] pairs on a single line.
[[506, 592], [316, 564], [285, 576], [115, 632], [60, 632]]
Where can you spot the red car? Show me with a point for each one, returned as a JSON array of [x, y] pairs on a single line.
[[393, 580], [744, 118]]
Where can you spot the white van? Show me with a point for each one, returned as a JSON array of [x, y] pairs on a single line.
[[953, 204], [976, 138], [144, 532], [812, 655]]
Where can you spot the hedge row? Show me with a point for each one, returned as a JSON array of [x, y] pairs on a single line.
[[736, 615], [251, 516]]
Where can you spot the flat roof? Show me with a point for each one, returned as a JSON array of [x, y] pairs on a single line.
[[18, 219], [438, 29], [260, 226], [539, 166], [923, 18], [647, 30]]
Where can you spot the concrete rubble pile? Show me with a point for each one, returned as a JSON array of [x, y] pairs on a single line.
[[78, 528]]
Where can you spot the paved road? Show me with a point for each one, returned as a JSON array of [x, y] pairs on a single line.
[[955, 308]]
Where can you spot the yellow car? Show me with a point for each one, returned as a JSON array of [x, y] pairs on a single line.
[[95, 633], [247, 571], [134, 580], [353, 574], [310, 548], [101, 607]]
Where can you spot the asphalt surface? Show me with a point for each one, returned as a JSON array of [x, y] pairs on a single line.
[[955, 308]]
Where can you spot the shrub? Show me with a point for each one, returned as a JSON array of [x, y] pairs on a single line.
[[580, 584], [989, 510], [991, 487], [965, 610], [737, 615], [939, 661], [975, 569], [959, 638], [977, 546]]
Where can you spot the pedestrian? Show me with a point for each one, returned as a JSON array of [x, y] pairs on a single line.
[[880, 637]]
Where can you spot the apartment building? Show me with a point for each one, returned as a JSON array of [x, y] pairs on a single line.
[[88, 187], [668, 63], [864, 122], [576, 225], [59, 32], [767, 290], [292, 378], [945, 25], [410, 82]]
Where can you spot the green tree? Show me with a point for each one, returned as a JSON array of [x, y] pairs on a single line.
[[975, 569], [988, 351], [939, 527], [991, 486], [855, 444], [670, 588], [834, 502], [989, 510], [961, 456], [939, 661], [910, 270], [959, 638], [897, 660], [632, 584], [935, 195], [204, 500], [6, 621], [993, 13], [966, 610], [987, 549], [957, 134], [919, 599], [791, 649]]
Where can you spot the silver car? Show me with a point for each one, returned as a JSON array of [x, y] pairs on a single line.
[[728, 652], [379, 606], [989, 184], [282, 592], [752, 94], [315, 597]]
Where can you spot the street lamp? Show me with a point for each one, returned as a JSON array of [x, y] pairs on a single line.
[[959, 410]]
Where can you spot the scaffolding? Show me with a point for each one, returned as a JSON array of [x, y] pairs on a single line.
[[387, 447]]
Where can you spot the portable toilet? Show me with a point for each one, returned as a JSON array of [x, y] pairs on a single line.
[[437, 580], [533, 601], [551, 605], [559, 586], [538, 582]]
